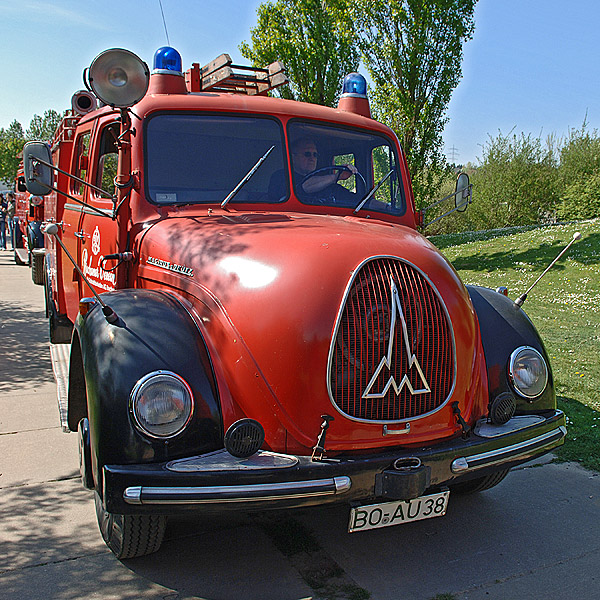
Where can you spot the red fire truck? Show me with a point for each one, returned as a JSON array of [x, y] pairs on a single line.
[[252, 316], [28, 239]]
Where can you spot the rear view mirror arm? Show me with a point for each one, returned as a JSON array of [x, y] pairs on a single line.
[[83, 182], [469, 189], [97, 210]]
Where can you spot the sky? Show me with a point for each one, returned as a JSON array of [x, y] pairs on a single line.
[[532, 66]]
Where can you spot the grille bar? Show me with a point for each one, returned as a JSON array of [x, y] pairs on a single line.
[[392, 356]]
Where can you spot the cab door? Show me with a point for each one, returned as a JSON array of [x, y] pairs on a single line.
[[98, 231], [71, 220]]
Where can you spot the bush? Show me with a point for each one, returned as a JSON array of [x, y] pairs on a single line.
[[581, 199], [580, 155], [580, 174], [517, 182]]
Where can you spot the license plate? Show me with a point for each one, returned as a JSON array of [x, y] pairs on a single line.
[[399, 511]]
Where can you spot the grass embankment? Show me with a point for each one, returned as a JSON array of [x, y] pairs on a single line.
[[564, 306]]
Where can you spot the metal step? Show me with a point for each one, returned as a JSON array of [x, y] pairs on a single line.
[[23, 255], [60, 354]]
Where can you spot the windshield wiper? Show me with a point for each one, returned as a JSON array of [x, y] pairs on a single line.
[[249, 174], [372, 192]]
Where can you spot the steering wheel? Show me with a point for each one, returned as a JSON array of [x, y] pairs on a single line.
[[330, 169]]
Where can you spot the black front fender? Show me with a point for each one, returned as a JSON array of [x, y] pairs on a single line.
[[154, 332], [35, 235], [505, 327]]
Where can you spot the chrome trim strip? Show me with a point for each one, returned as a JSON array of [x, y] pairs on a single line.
[[501, 455], [342, 484], [133, 495], [88, 211], [237, 493], [337, 326]]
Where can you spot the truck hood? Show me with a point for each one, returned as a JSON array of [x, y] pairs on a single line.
[[268, 292]]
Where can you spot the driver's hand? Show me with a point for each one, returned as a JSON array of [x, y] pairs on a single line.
[[347, 172]]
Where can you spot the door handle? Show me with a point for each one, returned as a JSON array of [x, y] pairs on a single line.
[[81, 235]]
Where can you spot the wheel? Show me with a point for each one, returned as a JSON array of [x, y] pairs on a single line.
[[129, 536], [37, 268], [480, 484]]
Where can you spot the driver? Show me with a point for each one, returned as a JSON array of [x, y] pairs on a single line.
[[321, 188]]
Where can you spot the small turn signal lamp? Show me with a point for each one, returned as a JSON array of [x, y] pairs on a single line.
[[118, 77], [85, 304]]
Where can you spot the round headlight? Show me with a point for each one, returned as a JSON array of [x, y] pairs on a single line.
[[528, 371], [161, 404]]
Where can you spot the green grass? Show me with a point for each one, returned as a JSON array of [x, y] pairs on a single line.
[[564, 306]]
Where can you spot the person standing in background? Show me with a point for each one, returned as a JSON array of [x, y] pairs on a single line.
[[3, 213], [10, 217]]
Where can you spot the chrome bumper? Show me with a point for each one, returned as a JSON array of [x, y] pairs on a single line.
[[141, 495], [545, 442], [218, 480]]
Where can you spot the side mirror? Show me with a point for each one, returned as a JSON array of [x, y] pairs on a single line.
[[37, 164], [21, 187], [463, 196]]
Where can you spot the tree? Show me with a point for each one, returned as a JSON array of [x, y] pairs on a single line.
[[43, 128], [413, 52], [11, 144], [313, 39], [13, 139]]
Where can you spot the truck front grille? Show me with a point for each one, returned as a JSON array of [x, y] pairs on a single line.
[[392, 355]]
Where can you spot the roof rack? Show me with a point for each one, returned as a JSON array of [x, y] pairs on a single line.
[[221, 75], [66, 128]]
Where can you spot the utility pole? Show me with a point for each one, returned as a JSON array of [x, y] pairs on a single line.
[[454, 154]]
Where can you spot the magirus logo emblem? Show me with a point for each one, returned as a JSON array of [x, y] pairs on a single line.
[[385, 366]]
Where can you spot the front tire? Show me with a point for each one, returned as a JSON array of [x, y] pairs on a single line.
[[480, 484], [129, 536]]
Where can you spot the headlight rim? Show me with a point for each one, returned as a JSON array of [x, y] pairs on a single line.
[[511, 368], [139, 385]]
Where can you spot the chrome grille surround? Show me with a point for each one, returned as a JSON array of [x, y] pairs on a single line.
[[372, 378]]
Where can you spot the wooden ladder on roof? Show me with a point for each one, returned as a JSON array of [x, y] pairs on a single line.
[[221, 75]]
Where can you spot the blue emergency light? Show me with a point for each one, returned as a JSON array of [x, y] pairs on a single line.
[[354, 85], [167, 59]]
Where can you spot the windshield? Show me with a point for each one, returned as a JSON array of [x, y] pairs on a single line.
[[335, 166], [197, 158]]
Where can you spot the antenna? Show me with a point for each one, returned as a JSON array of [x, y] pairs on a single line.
[[519, 301], [164, 22]]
